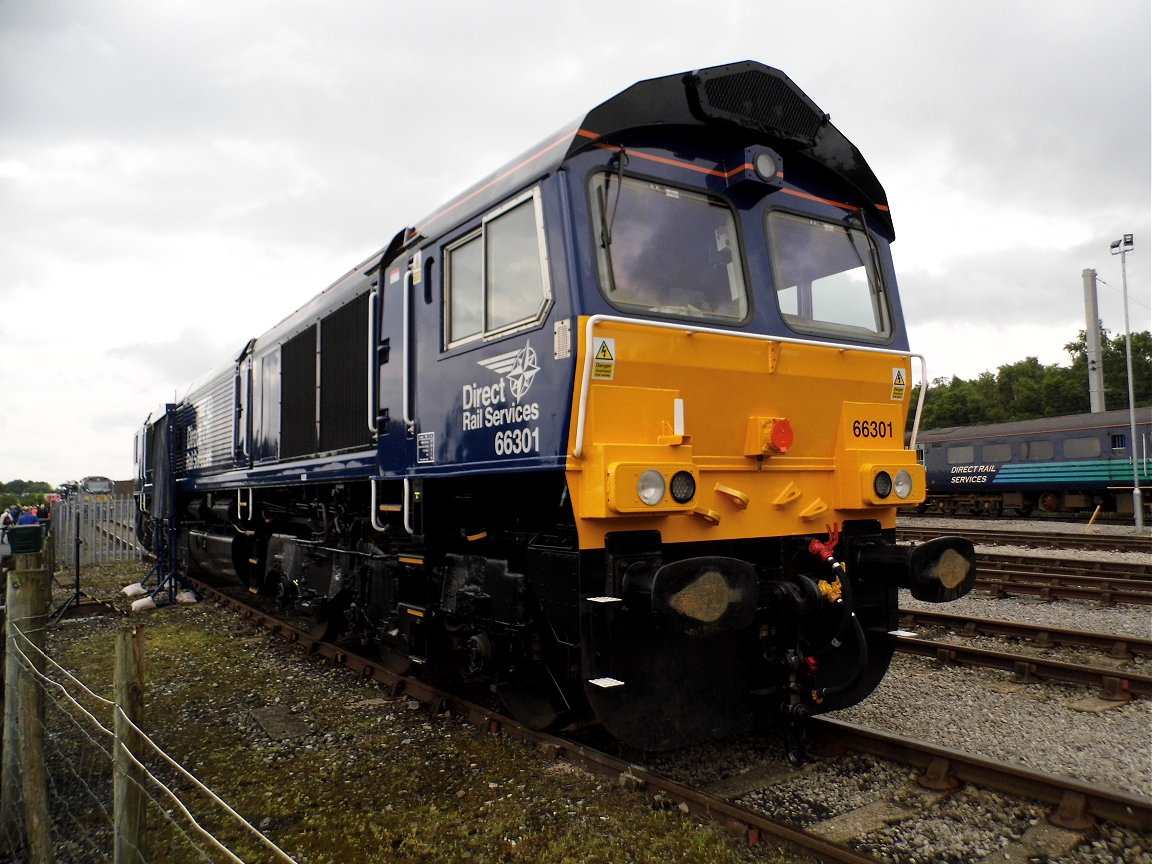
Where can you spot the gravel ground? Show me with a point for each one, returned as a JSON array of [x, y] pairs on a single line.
[[382, 773], [1045, 727], [1041, 726], [338, 772], [958, 704]]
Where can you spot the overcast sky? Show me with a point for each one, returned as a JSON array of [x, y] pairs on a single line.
[[178, 175]]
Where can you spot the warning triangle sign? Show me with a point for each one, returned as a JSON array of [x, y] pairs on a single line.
[[603, 352], [898, 376]]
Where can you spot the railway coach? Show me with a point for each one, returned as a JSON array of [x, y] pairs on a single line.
[[616, 434], [1067, 464]]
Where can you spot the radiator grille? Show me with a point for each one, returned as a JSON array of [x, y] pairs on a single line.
[[298, 395], [344, 378], [761, 101]]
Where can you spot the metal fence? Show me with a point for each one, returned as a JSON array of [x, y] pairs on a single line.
[[80, 781], [104, 528]]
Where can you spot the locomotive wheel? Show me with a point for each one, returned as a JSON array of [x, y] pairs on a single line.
[[329, 623], [286, 594], [535, 697], [395, 661], [531, 707]]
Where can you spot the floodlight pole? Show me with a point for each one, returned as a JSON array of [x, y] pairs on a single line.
[[1122, 247]]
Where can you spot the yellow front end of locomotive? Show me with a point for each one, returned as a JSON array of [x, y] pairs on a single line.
[[705, 435]]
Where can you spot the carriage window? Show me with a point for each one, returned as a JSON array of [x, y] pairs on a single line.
[[1035, 451], [961, 455], [497, 277], [667, 251], [1081, 448], [996, 452], [827, 280], [1119, 442]]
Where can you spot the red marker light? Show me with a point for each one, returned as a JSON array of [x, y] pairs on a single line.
[[782, 435]]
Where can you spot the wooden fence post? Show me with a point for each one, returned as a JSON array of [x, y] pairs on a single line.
[[127, 777], [9, 773], [28, 596]]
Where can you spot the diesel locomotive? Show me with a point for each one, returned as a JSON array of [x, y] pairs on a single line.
[[616, 434]]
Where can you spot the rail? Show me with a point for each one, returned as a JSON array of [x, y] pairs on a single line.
[[1114, 805], [1039, 539]]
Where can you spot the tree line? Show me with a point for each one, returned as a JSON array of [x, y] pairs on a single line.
[[1026, 389], [24, 492]]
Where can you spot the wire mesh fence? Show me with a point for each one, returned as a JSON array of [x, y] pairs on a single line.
[[82, 782]]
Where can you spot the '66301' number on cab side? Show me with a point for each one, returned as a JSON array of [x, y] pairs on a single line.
[[512, 442]]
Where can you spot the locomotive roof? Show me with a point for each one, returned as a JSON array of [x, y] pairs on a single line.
[[1066, 423], [747, 96], [761, 102]]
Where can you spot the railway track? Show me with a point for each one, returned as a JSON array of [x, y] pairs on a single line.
[[1076, 803], [1054, 581], [1037, 539], [1132, 571], [1119, 647], [1113, 684]]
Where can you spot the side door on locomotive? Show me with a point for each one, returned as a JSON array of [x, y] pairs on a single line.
[[485, 375]]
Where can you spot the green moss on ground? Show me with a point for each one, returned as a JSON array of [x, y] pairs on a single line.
[[368, 778]]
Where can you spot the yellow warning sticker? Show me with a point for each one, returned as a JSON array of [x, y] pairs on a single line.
[[604, 359], [899, 384]]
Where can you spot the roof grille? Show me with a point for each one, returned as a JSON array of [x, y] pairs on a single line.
[[760, 100]]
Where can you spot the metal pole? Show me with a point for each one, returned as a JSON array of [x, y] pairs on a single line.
[[1092, 342], [76, 546], [1122, 248]]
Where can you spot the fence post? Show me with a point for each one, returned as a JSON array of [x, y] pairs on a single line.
[[127, 777], [29, 593], [9, 774]]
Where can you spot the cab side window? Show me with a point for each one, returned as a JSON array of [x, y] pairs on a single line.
[[497, 277]]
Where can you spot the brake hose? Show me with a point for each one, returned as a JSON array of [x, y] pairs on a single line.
[[839, 593]]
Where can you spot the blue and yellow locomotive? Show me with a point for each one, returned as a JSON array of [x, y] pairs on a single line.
[[617, 432]]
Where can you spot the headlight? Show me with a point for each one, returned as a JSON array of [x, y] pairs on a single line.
[[882, 484], [683, 487], [903, 484], [650, 487]]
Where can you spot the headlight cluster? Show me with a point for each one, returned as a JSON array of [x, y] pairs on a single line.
[[884, 484], [683, 487], [651, 486]]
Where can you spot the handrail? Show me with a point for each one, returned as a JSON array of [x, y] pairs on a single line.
[[406, 390], [406, 507], [593, 320], [373, 368], [408, 526], [376, 523]]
